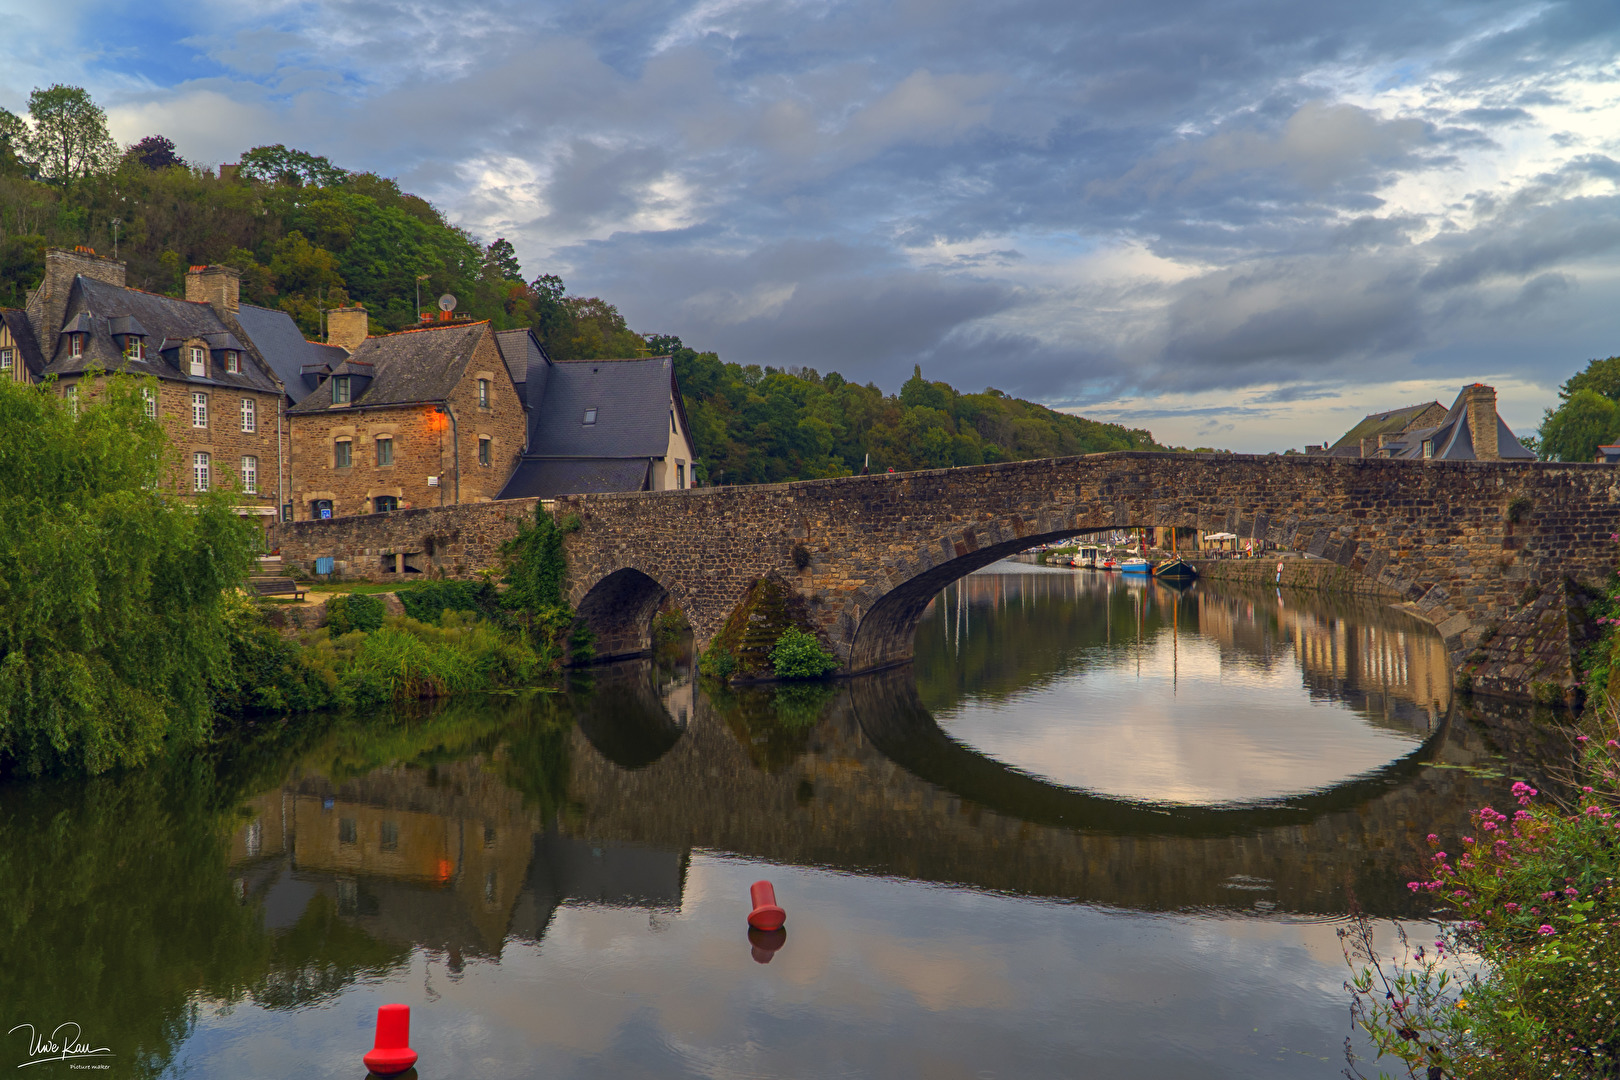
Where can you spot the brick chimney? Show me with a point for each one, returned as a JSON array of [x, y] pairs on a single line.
[[47, 304], [220, 287], [1367, 445], [1482, 421], [230, 172], [347, 326]]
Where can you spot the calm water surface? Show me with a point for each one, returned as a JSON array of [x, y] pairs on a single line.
[[1101, 828]]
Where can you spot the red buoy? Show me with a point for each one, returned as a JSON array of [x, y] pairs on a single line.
[[766, 915], [393, 1053]]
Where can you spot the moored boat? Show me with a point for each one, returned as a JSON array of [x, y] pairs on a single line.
[[1175, 569], [1137, 565]]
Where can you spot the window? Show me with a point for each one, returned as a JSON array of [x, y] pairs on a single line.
[[199, 410], [483, 393], [199, 360], [233, 362], [72, 395], [383, 504], [340, 389], [590, 416], [680, 474], [388, 835], [135, 347], [75, 345], [672, 428], [250, 474], [8, 359], [199, 471], [385, 450], [149, 402], [250, 419], [343, 454], [347, 832], [483, 450]]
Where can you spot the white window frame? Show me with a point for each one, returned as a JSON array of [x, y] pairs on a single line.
[[8, 359], [199, 410], [72, 395], [343, 442], [486, 453], [75, 345], [233, 361], [250, 416], [199, 360], [149, 402], [136, 347], [483, 393], [200, 467], [250, 474], [590, 416], [389, 440]]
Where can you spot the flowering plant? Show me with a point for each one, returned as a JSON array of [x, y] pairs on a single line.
[[1536, 911]]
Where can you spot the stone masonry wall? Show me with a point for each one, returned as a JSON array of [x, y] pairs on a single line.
[[423, 447], [876, 549]]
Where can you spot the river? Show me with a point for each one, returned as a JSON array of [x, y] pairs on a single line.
[[1100, 827]]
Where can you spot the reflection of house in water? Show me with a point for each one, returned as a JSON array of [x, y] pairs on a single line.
[[445, 858], [1389, 668]]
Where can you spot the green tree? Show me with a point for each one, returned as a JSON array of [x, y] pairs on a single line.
[[70, 139], [1575, 430], [112, 591], [502, 257], [278, 165]]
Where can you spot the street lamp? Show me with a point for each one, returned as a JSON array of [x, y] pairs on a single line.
[[444, 409]]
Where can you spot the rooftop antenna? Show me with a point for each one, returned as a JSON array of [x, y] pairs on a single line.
[[447, 304], [115, 223]]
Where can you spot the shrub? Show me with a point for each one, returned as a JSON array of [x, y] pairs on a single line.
[[799, 655], [1535, 894], [426, 601], [718, 663], [354, 611]]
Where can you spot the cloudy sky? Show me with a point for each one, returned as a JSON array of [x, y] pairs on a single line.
[[1241, 223]]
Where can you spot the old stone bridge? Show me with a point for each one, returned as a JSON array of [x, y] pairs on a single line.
[[1466, 545]]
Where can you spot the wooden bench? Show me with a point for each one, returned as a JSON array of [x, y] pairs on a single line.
[[279, 586]]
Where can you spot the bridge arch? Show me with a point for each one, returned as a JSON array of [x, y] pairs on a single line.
[[618, 607]]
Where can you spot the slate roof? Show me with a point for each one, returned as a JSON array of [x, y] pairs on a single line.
[[96, 306], [1453, 438], [632, 399], [526, 361], [405, 368], [22, 332], [283, 347], [547, 478], [1373, 425]]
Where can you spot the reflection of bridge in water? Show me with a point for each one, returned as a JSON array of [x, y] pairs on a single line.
[[448, 856]]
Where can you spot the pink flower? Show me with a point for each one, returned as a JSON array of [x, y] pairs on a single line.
[[1433, 838], [1544, 929], [1510, 906]]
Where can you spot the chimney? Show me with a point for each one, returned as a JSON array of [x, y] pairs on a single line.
[[1366, 445], [347, 326], [47, 305], [220, 287], [1482, 421], [229, 172], [1386, 440]]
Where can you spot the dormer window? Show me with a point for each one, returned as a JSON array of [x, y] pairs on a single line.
[[135, 347], [590, 416], [76, 345], [340, 389], [199, 360], [233, 361]]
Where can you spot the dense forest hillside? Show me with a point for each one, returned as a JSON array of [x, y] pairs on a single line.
[[309, 235]]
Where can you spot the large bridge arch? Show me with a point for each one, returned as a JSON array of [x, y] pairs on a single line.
[[618, 607]]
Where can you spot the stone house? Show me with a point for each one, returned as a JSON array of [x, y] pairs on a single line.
[[217, 395], [600, 425], [1471, 430], [424, 417]]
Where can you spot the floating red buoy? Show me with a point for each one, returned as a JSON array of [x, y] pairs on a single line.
[[766, 915], [393, 1053]]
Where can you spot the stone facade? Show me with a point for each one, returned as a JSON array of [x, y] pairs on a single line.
[[426, 446], [874, 550]]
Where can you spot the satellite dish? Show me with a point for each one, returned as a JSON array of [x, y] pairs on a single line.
[[447, 302]]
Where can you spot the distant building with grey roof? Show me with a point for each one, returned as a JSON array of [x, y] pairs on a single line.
[[1471, 430]]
